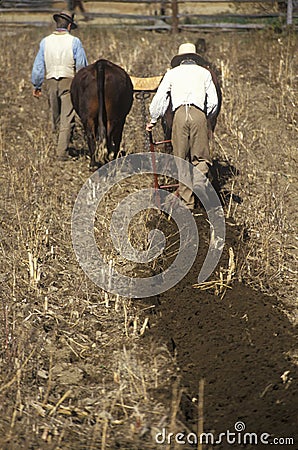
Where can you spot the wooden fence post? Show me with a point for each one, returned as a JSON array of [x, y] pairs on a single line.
[[175, 28], [162, 8], [290, 12]]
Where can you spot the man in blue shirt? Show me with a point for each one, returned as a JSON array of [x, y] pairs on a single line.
[[59, 57]]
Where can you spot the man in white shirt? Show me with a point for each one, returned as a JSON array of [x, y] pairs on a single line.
[[59, 57], [193, 94]]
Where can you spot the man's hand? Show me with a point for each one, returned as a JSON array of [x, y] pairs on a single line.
[[37, 93], [150, 126]]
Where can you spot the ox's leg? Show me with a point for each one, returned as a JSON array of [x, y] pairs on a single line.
[[101, 151], [114, 136], [90, 130]]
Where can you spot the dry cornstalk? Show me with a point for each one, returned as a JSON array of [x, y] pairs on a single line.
[[201, 413], [34, 269], [61, 400], [144, 326], [176, 399]]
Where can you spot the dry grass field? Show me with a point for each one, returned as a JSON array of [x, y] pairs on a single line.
[[84, 369]]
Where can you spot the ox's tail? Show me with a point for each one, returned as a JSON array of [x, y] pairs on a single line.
[[102, 132]]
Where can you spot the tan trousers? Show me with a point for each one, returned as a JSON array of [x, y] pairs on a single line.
[[190, 142], [62, 111]]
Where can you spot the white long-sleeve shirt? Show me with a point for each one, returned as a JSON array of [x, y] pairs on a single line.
[[185, 84]]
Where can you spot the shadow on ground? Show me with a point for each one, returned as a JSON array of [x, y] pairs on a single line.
[[239, 345]]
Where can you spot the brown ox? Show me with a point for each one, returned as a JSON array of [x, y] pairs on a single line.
[[102, 95]]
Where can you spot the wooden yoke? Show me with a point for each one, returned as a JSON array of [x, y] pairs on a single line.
[[149, 84]]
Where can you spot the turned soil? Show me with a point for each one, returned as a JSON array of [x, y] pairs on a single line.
[[240, 346]]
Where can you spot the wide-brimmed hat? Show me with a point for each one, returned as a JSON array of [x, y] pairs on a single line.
[[67, 16], [186, 51]]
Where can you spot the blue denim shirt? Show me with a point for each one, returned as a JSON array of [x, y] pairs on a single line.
[[38, 70]]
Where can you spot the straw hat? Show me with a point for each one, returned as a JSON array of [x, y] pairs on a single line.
[[67, 16], [186, 51]]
